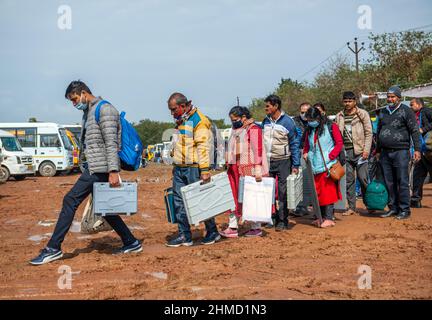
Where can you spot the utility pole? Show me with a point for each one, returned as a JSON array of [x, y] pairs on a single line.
[[238, 101], [356, 51]]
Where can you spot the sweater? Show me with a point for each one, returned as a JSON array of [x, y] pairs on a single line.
[[396, 129]]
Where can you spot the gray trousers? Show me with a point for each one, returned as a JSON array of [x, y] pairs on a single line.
[[353, 171]]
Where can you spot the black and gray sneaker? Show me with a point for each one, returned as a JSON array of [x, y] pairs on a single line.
[[132, 248], [211, 238], [179, 241], [46, 255]]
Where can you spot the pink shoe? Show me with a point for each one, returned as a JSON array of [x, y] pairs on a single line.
[[328, 223], [229, 233], [254, 233]]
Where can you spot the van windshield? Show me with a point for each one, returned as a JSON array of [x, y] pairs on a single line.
[[10, 144], [65, 139]]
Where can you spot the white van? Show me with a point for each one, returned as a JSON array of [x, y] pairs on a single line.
[[166, 153], [46, 142], [15, 162]]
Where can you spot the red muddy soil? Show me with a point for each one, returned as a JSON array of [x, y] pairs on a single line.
[[302, 263]]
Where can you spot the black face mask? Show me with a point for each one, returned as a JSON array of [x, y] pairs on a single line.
[[237, 124]]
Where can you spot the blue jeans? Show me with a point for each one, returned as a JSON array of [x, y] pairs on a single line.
[[183, 177], [396, 176], [82, 188]]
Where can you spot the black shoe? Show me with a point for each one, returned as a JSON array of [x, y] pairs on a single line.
[[389, 214], [179, 241], [281, 226], [269, 226], [415, 204], [300, 212], [132, 248], [47, 255], [403, 215], [211, 238]]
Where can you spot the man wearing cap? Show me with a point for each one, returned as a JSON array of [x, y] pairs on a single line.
[[397, 127]]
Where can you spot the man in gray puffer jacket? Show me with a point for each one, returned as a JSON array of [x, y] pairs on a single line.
[[100, 143]]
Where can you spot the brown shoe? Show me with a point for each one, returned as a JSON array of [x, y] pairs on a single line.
[[349, 212]]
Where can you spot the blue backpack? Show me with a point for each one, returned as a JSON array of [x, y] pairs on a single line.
[[131, 150]]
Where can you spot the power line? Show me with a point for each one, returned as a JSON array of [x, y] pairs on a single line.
[[360, 37], [322, 62]]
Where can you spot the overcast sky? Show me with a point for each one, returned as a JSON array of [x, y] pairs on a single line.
[[136, 53]]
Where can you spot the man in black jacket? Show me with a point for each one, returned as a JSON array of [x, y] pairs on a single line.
[[397, 126], [421, 168]]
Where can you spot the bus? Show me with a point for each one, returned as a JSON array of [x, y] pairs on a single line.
[[76, 149], [75, 129], [46, 142]]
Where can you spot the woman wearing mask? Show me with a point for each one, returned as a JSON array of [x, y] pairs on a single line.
[[322, 132], [245, 157]]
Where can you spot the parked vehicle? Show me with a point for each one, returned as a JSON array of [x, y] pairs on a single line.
[[74, 128], [47, 142], [166, 153], [14, 161], [76, 149]]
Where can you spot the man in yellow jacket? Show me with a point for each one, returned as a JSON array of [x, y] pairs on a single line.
[[191, 159]]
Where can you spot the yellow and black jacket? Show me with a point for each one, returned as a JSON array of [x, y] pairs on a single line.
[[192, 142]]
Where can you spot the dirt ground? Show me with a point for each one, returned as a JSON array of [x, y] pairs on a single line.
[[301, 263]]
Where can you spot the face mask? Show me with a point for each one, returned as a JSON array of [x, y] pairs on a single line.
[[237, 124], [303, 116], [81, 105], [313, 124]]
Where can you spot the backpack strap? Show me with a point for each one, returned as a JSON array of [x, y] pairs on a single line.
[[97, 111]]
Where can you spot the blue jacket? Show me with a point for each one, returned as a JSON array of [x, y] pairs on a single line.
[[281, 139], [314, 154]]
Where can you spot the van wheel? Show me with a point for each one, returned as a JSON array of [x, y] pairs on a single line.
[[21, 177], [47, 169], [4, 174]]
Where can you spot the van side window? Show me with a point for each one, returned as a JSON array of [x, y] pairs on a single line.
[[49, 141], [26, 136]]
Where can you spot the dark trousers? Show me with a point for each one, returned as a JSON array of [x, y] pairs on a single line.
[[395, 167], [281, 169], [82, 188], [327, 212], [183, 177], [353, 171], [421, 169]]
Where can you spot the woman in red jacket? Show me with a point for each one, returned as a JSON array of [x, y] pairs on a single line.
[[325, 133], [245, 157]]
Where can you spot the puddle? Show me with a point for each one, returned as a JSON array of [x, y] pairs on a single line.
[[136, 228], [47, 223], [29, 290], [39, 237], [11, 221], [84, 237], [76, 227], [159, 275]]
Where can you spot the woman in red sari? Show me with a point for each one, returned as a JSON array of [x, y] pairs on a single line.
[[245, 157], [322, 132]]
